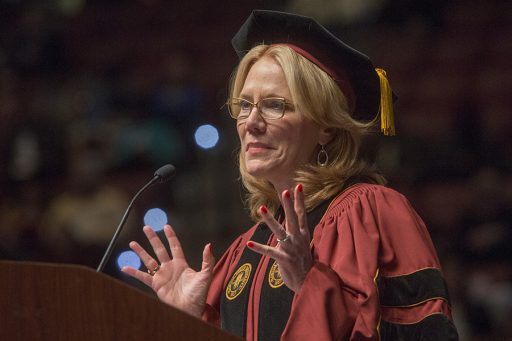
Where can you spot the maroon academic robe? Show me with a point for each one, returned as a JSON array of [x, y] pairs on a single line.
[[376, 275]]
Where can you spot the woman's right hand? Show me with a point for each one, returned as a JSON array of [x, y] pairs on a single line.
[[174, 282]]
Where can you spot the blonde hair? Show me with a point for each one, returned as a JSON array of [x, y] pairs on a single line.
[[320, 100]]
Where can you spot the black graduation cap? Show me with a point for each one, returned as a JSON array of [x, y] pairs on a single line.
[[366, 88]]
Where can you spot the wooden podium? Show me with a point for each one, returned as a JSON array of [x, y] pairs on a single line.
[[41, 301]]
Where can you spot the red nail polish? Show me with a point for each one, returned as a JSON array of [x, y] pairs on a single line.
[[287, 194], [299, 188], [250, 244], [210, 248], [263, 210]]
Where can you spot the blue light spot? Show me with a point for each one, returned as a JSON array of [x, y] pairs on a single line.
[[156, 218], [206, 136], [128, 258]]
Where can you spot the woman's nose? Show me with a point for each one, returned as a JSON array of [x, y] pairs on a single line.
[[255, 121]]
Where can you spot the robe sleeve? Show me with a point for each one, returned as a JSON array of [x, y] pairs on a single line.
[[371, 243]]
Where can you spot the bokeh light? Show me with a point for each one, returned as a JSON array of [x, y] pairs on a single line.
[[206, 136], [128, 258], [156, 218]]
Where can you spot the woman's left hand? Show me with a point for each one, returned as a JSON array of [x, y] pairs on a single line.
[[293, 252]]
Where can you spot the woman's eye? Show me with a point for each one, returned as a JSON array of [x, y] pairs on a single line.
[[275, 105], [245, 106]]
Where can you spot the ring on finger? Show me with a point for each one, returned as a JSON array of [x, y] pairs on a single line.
[[282, 240], [155, 269]]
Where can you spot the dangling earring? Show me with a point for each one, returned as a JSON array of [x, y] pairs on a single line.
[[322, 158]]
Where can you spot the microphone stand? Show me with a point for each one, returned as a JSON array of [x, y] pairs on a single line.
[[110, 247]]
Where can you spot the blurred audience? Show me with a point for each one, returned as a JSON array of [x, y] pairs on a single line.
[[83, 215]]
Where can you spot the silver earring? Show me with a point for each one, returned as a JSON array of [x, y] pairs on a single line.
[[322, 158]]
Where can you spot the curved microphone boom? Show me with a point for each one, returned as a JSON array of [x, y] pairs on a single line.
[[162, 174]]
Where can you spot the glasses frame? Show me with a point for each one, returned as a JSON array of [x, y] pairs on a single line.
[[260, 112]]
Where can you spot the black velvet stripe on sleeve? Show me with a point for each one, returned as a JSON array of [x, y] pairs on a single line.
[[411, 289], [435, 327]]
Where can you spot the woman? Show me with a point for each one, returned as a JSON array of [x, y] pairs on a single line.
[[335, 255]]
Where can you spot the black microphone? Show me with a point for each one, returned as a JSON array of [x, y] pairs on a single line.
[[162, 174]]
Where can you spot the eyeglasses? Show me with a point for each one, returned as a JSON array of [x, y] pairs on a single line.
[[271, 108]]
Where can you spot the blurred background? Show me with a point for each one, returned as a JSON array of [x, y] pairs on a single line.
[[96, 95]]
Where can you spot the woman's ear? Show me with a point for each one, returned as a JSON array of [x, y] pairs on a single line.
[[326, 136]]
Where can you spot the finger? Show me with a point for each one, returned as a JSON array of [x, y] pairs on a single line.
[[156, 244], [274, 226], [265, 250], [300, 209], [174, 243], [292, 225], [145, 257], [140, 275], [208, 259]]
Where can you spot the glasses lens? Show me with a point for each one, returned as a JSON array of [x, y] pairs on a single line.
[[239, 108], [272, 108], [245, 108]]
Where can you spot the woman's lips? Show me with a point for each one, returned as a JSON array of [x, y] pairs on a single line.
[[257, 147]]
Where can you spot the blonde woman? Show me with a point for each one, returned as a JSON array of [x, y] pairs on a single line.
[[333, 254]]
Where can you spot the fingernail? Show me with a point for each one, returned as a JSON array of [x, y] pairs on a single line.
[[263, 210], [299, 188], [287, 194], [250, 244], [210, 247]]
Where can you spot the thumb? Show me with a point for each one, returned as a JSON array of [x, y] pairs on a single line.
[[208, 259]]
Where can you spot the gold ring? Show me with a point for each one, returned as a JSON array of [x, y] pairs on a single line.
[[283, 239], [153, 272]]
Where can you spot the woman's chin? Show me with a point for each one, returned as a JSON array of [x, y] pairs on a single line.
[[258, 173], [258, 170]]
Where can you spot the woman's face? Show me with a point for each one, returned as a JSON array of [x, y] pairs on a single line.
[[274, 149]]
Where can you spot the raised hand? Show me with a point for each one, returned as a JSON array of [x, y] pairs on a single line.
[[171, 278], [292, 253]]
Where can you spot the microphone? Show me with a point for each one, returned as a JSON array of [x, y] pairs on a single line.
[[162, 175]]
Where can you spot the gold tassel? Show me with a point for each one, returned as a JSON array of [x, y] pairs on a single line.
[[387, 119]]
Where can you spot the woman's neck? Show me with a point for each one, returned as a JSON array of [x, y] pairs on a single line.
[[281, 186]]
